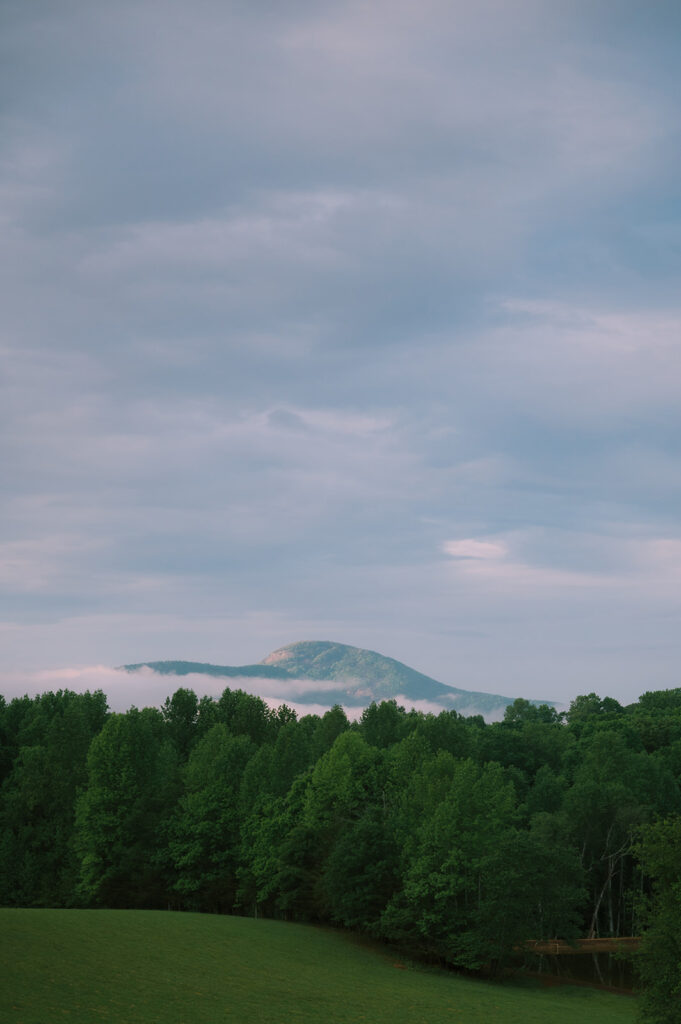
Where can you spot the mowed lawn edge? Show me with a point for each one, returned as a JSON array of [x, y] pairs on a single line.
[[134, 967]]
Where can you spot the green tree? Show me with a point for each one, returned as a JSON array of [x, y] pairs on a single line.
[[531, 886], [132, 784], [344, 785], [615, 790], [38, 863], [291, 756], [449, 731], [181, 714], [328, 728], [205, 832], [280, 856], [659, 958], [521, 711], [443, 884], [362, 872], [588, 712], [547, 792], [383, 724], [246, 715]]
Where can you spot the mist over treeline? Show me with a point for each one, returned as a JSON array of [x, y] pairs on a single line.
[[456, 839]]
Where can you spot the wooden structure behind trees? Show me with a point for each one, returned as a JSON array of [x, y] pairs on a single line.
[[558, 947]]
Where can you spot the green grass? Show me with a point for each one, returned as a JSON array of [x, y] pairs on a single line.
[[138, 967]]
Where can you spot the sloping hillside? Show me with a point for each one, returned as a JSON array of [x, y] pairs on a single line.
[[361, 676], [146, 967]]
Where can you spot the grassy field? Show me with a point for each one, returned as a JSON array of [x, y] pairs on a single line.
[[132, 967]]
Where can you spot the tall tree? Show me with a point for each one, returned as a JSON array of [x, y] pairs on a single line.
[[383, 724], [132, 785], [38, 863], [659, 959], [614, 791], [181, 714], [443, 884], [246, 715], [204, 834]]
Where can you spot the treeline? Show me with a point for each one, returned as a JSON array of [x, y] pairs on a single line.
[[454, 838]]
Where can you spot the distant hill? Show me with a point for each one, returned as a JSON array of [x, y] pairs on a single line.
[[204, 668], [361, 677]]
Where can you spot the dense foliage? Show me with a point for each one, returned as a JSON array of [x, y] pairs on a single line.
[[455, 838]]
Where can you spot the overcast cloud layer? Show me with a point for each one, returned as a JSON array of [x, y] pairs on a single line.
[[346, 321]]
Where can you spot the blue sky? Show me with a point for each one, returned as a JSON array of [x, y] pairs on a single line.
[[346, 321]]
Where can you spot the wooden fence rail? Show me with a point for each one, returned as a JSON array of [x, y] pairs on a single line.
[[556, 947]]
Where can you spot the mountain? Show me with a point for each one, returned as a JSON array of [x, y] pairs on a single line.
[[361, 676]]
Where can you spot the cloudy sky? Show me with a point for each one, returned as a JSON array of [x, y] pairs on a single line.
[[355, 321]]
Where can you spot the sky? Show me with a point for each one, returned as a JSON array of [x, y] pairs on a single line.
[[353, 321]]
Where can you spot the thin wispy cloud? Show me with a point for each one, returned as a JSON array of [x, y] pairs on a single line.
[[647, 563], [145, 687], [475, 549]]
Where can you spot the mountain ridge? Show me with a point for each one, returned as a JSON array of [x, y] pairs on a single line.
[[362, 676]]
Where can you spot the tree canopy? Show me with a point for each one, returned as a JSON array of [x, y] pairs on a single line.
[[455, 838]]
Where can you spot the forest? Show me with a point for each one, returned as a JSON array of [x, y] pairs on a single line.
[[454, 839]]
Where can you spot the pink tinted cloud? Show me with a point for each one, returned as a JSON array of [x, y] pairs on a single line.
[[144, 687]]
